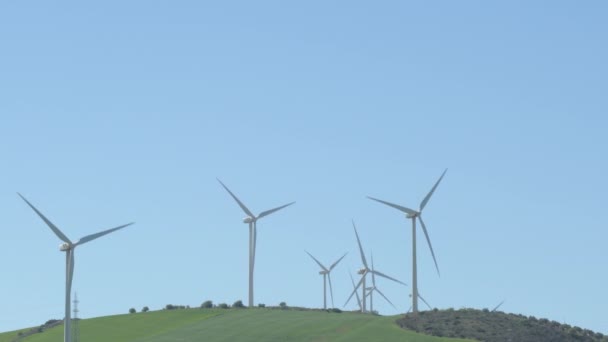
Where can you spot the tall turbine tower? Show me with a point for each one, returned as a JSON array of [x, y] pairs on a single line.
[[363, 272], [68, 247], [413, 215], [251, 220], [326, 275]]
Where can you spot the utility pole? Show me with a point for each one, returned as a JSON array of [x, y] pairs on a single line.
[[75, 320]]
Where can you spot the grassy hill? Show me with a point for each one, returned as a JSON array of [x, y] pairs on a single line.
[[235, 325]]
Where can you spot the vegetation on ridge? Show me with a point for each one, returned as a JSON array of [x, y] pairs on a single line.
[[484, 325]]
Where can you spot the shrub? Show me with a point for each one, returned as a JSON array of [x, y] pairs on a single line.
[[132, 310], [261, 305], [145, 309], [238, 304], [283, 305], [170, 307], [222, 306], [207, 304], [335, 310]]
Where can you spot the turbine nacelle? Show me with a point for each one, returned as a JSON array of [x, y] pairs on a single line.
[[64, 247], [362, 271], [248, 219], [411, 216]]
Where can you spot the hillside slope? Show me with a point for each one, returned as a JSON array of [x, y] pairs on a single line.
[[236, 325]]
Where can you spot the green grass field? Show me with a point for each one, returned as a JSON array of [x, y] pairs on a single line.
[[235, 325]]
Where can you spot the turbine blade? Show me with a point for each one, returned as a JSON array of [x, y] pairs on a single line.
[[268, 212], [331, 290], [387, 277], [354, 291], [54, 228], [247, 211], [396, 206], [335, 263], [428, 196], [497, 306], [426, 234], [318, 262], [424, 301], [360, 248], [373, 275], [100, 234], [383, 296]]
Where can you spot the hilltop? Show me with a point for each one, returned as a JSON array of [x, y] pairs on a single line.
[[260, 324]]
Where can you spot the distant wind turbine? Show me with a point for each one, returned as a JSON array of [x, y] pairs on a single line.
[[327, 276], [355, 291], [498, 306], [69, 247], [363, 272], [251, 220], [424, 301], [374, 288], [413, 215]]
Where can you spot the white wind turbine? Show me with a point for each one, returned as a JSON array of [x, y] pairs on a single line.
[[355, 291], [326, 275], [374, 288], [69, 247], [424, 301], [251, 220], [363, 272], [413, 215], [498, 306]]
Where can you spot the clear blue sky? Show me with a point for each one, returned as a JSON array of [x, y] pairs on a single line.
[[128, 111]]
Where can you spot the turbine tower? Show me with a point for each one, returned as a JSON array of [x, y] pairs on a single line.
[[363, 272], [326, 275], [251, 220], [413, 215], [68, 247]]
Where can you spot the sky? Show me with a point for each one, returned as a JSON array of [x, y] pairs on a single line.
[[116, 111]]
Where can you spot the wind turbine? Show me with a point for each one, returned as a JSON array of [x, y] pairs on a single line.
[[251, 220], [374, 288], [424, 301], [326, 275], [68, 247], [355, 291], [413, 214], [363, 272], [498, 306]]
